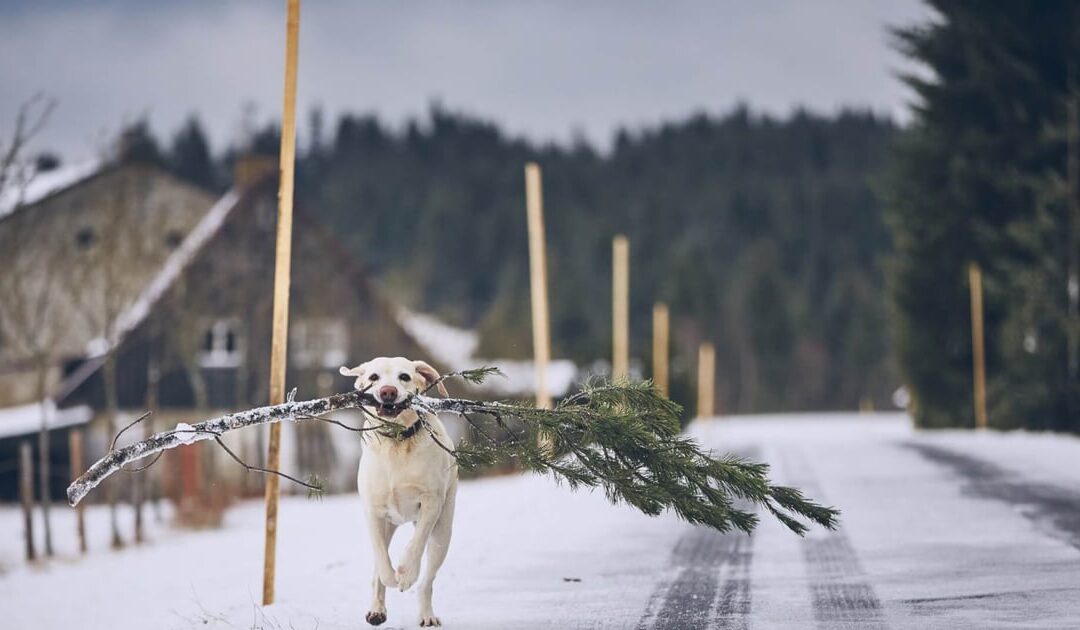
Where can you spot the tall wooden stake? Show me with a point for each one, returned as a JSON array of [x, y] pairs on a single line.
[[978, 349], [26, 495], [706, 380], [620, 298], [534, 201], [282, 270], [660, 351], [75, 452], [1072, 164]]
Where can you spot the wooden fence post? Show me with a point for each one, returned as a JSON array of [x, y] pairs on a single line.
[[660, 332], [706, 380], [534, 201], [620, 297], [75, 452], [978, 348], [26, 495], [282, 271]]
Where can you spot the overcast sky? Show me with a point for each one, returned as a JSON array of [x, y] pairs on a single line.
[[540, 69]]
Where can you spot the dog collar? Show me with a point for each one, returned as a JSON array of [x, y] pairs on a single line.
[[409, 431]]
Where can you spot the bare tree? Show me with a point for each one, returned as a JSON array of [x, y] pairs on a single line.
[[112, 273], [28, 326]]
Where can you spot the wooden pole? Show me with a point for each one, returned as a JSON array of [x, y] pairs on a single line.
[[26, 495], [620, 297], [534, 201], [660, 351], [282, 270], [706, 380], [1072, 288], [75, 452], [978, 348]]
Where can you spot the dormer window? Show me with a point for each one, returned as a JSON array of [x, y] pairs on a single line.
[[221, 345]]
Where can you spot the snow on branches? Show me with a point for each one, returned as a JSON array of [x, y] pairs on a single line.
[[624, 438]]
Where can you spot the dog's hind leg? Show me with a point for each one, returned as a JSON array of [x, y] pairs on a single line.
[[438, 545], [377, 612]]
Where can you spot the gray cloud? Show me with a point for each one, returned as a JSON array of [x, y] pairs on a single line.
[[540, 69]]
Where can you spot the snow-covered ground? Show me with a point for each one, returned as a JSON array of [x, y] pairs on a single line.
[[940, 530]]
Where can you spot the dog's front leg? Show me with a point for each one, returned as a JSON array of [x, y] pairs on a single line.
[[377, 612], [380, 543], [407, 572]]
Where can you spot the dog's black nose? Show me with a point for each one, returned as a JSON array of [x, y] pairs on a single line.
[[388, 393]]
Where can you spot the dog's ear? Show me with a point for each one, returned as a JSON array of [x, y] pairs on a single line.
[[430, 375], [357, 371]]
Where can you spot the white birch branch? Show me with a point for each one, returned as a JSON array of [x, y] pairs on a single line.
[[290, 411]]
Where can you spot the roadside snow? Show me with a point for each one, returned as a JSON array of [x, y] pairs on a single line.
[[515, 540]]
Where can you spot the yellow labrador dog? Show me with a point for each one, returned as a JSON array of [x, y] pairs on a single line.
[[405, 477]]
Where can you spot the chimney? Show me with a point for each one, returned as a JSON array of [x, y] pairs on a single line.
[[251, 168]]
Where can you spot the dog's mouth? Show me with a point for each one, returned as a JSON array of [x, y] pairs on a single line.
[[389, 410]]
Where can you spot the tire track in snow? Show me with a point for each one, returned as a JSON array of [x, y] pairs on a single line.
[[841, 595], [1053, 508], [711, 588]]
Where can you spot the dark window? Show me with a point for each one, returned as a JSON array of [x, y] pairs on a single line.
[[85, 237], [173, 239]]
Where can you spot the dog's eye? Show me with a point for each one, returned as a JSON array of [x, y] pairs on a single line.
[[405, 378], [373, 377]]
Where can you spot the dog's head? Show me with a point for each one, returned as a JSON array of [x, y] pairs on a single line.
[[393, 379]]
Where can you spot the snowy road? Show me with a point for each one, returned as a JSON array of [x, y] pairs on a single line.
[[940, 530]]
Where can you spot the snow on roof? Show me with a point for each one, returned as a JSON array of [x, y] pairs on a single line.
[[26, 419], [46, 183], [454, 348], [449, 345], [170, 271], [138, 310]]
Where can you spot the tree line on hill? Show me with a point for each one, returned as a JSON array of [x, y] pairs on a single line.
[[763, 235]]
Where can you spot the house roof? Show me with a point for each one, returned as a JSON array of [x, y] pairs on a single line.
[[196, 241], [89, 239], [46, 183], [144, 303], [26, 419]]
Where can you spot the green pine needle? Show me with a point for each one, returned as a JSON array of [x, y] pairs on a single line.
[[316, 487], [625, 438]]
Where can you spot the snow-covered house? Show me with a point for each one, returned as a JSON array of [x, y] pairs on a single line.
[[151, 294], [456, 348]]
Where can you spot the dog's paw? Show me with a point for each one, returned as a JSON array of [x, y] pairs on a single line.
[[429, 621], [406, 575], [376, 617]]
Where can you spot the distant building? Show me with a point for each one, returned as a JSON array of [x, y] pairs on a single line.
[[158, 297]]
